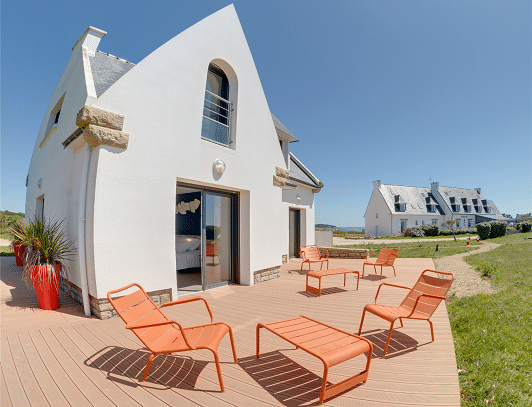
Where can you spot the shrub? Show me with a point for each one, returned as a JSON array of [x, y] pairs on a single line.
[[408, 232], [483, 230], [417, 231], [498, 228], [525, 226]]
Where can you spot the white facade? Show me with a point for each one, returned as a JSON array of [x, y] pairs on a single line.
[[131, 193], [394, 208]]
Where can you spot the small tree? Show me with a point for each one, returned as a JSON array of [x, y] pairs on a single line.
[[450, 224]]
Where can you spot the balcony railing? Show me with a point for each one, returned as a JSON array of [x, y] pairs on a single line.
[[216, 119]]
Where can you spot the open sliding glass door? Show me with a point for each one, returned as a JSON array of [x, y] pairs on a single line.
[[218, 238]]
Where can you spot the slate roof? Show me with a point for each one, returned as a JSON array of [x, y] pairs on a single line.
[[462, 196], [300, 173], [282, 127], [107, 69], [415, 199]]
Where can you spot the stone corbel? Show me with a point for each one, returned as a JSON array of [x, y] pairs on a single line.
[[101, 127], [281, 176]]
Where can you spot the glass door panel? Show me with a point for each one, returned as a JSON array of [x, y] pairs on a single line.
[[294, 241], [217, 232]]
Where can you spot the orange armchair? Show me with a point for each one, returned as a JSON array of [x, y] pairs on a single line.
[[164, 336], [311, 254], [420, 302]]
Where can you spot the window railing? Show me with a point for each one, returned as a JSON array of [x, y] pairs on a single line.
[[216, 119]]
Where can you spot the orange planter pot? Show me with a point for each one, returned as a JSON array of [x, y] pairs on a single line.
[[47, 291], [20, 251]]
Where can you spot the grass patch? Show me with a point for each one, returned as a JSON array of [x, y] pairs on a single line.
[[422, 249], [6, 251], [492, 332]]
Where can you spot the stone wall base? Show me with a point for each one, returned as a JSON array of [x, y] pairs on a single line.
[[343, 253], [266, 274], [101, 307]]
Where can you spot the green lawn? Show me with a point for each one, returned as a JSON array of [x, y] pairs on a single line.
[[422, 249], [493, 332]]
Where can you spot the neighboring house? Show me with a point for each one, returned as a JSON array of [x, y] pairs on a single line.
[[394, 208], [174, 163]]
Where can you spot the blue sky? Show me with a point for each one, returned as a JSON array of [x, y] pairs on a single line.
[[402, 91]]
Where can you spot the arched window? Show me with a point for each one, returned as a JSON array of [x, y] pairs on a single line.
[[216, 107]]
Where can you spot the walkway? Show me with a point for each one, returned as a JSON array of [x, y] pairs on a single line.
[[60, 358], [342, 241]]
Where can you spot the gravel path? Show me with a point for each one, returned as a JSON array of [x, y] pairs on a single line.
[[342, 241], [467, 281]]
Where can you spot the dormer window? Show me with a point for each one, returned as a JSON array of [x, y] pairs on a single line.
[[467, 208], [57, 116], [216, 108], [455, 208], [53, 121], [478, 208], [399, 205]]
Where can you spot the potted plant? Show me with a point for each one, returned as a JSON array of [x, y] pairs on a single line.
[[47, 249], [17, 230]]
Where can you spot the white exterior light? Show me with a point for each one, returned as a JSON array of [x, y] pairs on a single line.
[[218, 166], [39, 183], [298, 198]]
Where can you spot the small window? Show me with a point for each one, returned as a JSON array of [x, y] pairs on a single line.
[[376, 215], [469, 223], [422, 222], [434, 221], [416, 222], [216, 107]]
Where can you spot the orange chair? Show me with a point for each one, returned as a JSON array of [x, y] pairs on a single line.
[[420, 303], [386, 258], [311, 254], [164, 336]]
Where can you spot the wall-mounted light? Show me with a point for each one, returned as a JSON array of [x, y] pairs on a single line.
[[39, 183], [298, 198], [218, 166]]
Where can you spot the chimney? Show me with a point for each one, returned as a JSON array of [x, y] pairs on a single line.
[[434, 186], [90, 40], [478, 190], [376, 184]]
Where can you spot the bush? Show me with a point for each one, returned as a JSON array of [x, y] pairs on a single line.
[[417, 232], [483, 230], [498, 228], [525, 226], [425, 230], [408, 232], [458, 231]]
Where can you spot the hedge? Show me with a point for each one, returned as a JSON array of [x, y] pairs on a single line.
[[525, 226]]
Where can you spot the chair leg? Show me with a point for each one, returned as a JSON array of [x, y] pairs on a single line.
[[401, 321], [302, 263], [150, 359], [431, 329], [388, 340], [324, 383], [321, 265], [394, 271], [381, 274], [361, 321], [364, 265], [219, 370], [232, 344]]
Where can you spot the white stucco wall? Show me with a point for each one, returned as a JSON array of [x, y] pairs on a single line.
[[60, 168], [380, 225], [162, 100]]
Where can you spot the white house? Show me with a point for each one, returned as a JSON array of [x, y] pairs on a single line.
[[393, 208], [173, 163]]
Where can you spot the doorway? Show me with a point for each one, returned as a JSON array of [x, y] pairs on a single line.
[[206, 238], [294, 222]]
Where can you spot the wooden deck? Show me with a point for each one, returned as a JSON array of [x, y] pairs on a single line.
[[61, 358]]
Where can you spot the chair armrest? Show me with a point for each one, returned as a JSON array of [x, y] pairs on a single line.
[[424, 295], [391, 285], [326, 251], [184, 301]]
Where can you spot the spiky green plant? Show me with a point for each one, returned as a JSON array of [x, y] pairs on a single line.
[[46, 245]]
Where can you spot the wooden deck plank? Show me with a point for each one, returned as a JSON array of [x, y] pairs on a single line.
[[73, 346], [12, 379], [5, 400], [42, 376], [92, 392], [415, 372], [109, 367], [62, 379]]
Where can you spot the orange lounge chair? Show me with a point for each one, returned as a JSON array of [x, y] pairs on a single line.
[[386, 258], [163, 336], [420, 303], [311, 254]]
